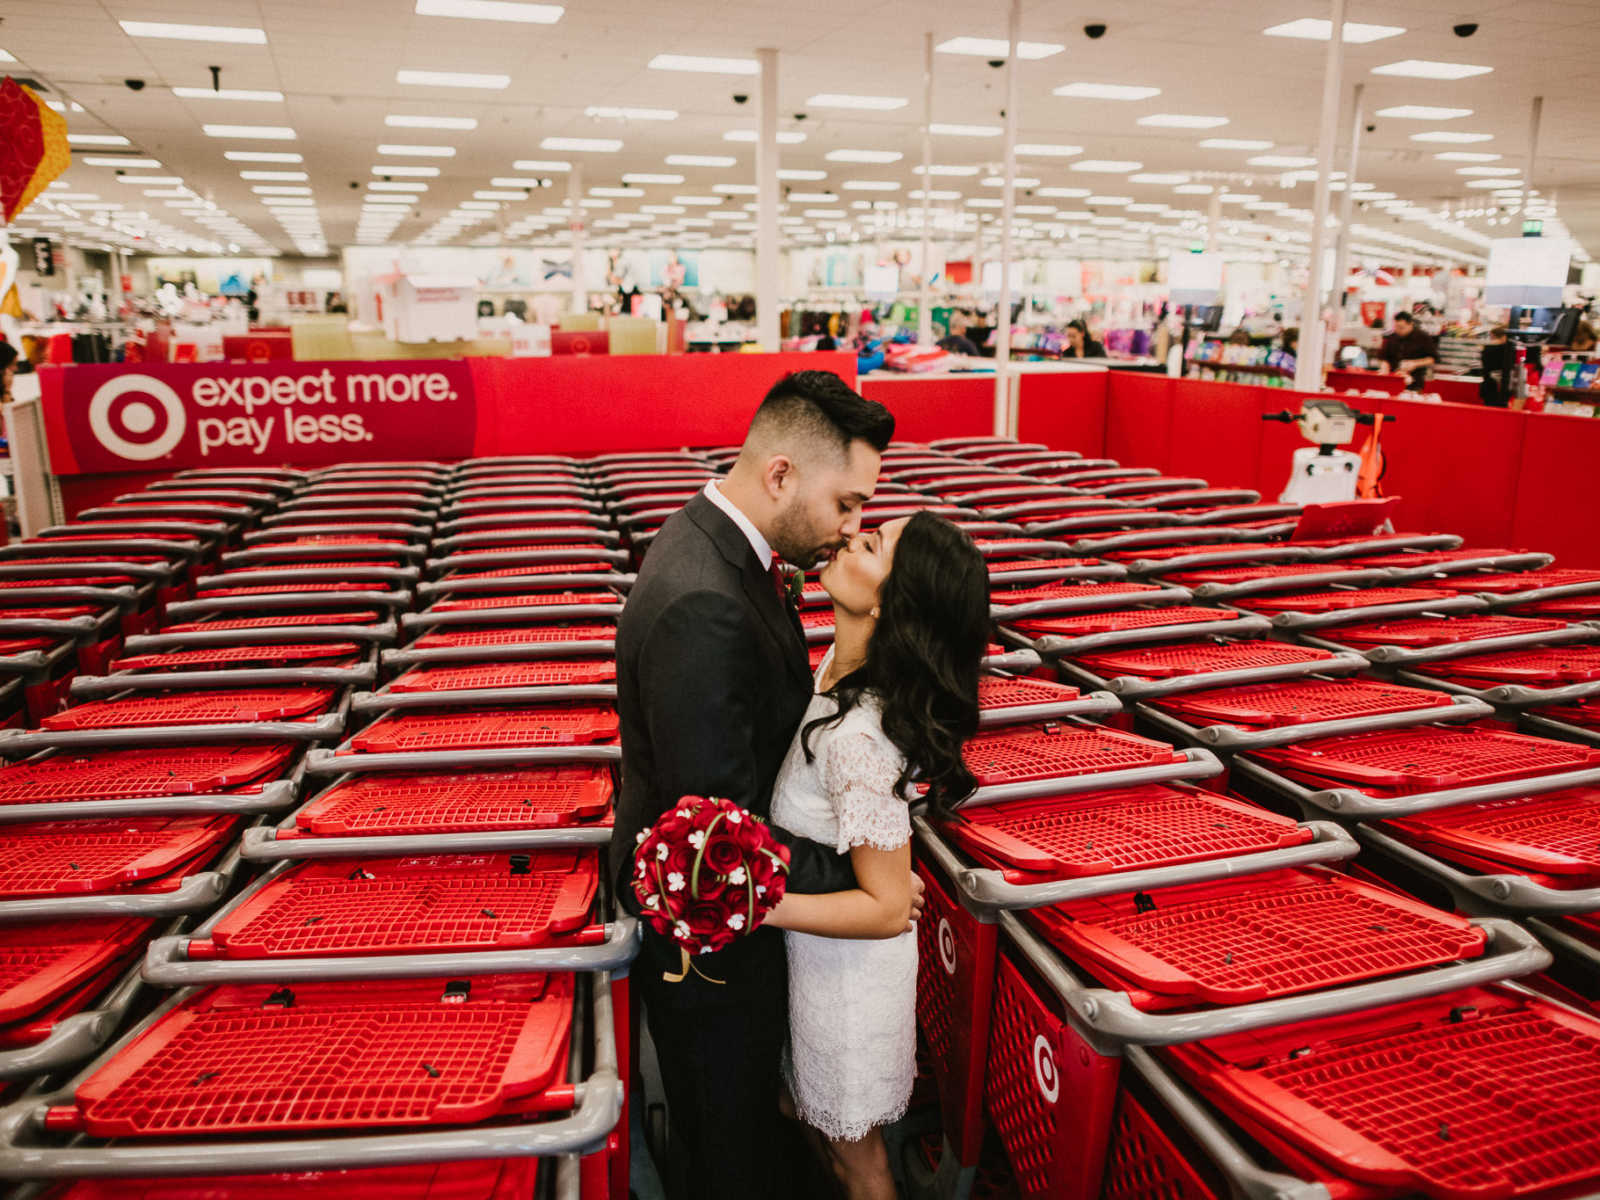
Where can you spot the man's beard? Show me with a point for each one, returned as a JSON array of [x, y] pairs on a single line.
[[793, 542]]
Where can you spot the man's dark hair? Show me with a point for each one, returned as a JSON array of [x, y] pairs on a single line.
[[820, 404], [1406, 317]]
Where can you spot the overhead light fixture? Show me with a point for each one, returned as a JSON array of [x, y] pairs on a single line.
[[271, 156], [1063, 193], [1194, 189], [1158, 177], [800, 174], [947, 169], [1423, 112], [541, 164], [112, 160], [700, 160], [1105, 91], [1488, 170], [491, 10], [985, 202], [498, 194], [453, 79], [869, 103], [484, 205], [281, 190], [634, 177], [581, 145], [813, 197], [1182, 121], [1318, 30], [1046, 150], [1282, 160], [1106, 166], [620, 193], [786, 137], [665, 210], [97, 139], [1022, 181], [734, 189], [1449, 135], [1493, 183], [1472, 156], [978, 47], [152, 180], [863, 156], [870, 185], [613, 113], [705, 64], [1421, 68], [1234, 144], [1109, 201], [239, 35], [707, 201], [944, 130], [279, 176], [264, 133], [397, 150], [402, 171], [382, 186], [204, 93], [407, 121], [919, 194]]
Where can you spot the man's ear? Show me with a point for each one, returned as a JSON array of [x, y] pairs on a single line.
[[779, 472]]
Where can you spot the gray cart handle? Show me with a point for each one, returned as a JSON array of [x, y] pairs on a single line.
[[261, 635], [276, 795], [1244, 626], [1132, 687], [1234, 738], [1295, 583], [329, 762], [1377, 612], [1003, 613], [1088, 704], [391, 701], [538, 613], [17, 743], [264, 845], [296, 575], [287, 599], [1196, 764], [1508, 892], [88, 686], [1586, 631]]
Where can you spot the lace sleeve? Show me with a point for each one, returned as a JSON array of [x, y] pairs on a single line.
[[858, 769]]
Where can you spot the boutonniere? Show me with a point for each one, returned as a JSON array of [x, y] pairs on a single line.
[[797, 587]]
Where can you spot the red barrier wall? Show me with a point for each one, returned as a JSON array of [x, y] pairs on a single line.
[[930, 407], [1063, 409]]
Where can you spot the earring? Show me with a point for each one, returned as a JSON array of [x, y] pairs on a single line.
[[874, 612]]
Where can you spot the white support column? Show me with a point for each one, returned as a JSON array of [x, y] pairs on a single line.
[[1214, 219], [1347, 204], [1308, 367], [767, 205], [1002, 345], [1534, 121], [576, 218], [924, 291]]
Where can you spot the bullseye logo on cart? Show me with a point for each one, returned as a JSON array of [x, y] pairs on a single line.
[[237, 414]]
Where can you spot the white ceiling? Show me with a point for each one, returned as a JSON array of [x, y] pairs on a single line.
[[336, 63]]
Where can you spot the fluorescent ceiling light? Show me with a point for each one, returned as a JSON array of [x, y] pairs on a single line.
[[455, 79], [1036, 210], [1109, 201], [985, 202], [1423, 112], [813, 197], [800, 175], [947, 169], [112, 160], [1154, 208], [273, 189], [204, 93], [1182, 121], [1266, 205], [491, 10], [1488, 170], [662, 209], [1491, 183], [1448, 135], [1318, 30], [734, 189], [997, 48], [842, 100], [195, 33], [864, 156], [1421, 68], [708, 201], [785, 137], [613, 113], [403, 171], [706, 64], [596, 145], [484, 205], [1063, 193], [648, 178], [1105, 91], [499, 195], [919, 194], [1234, 144], [1022, 181], [7, 57], [168, 193], [1046, 150], [407, 121], [1194, 189], [265, 133], [96, 139], [965, 130], [1282, 160], [395, 150], [380, 186], [279, 176], [540, 164], [1473, 156], [621, 193], [700, 160], [152, 180], [272, 156], [1158, 177], [287, 201], [870, 185], [1106, 166]]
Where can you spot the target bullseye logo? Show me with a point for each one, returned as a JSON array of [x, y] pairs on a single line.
[[137, 417], [1044, 1069], [947, 946]]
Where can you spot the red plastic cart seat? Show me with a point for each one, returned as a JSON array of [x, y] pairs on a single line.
[[1072, 508], [1069, 591], [1340, 599], [1018, 691], [1429, 757], [459, 802], [36, 1026], [1101, 832], [279, 621], [61, 612], [1478, 1094], [1009, 565], [1083, 624], [553, 672], [47, 578], [1518, 581], [478, 1179], [1567, 608], [275, 589], [1243, 940], [564, 725], [1157, 553], [154, 771], [22, 645], [529, 600], [1052, 749], [335, 1055], [558, 568], [1250, 572], [68, 858], [536, 635], [1585, 714], [1438, 631], [1297, 702], [412, 906], [205, 657], [195, 708], [43, 960], [1553, 834], [288, 537], [1546, 666], [1166, 662]]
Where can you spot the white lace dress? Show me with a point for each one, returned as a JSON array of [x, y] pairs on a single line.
[[852, 1003]]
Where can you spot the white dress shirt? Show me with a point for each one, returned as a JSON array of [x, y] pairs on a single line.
[[758, 543]]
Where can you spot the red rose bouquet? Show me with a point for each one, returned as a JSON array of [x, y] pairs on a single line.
[[706, 873]]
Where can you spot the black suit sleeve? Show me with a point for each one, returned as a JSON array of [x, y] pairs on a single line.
[[700, 688]]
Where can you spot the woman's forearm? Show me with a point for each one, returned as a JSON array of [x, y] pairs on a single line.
[[851, 914]]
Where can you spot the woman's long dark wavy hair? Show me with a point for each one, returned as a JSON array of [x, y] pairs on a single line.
[[925, 655]]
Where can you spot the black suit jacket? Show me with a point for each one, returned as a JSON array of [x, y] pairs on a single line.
[[712, 682]]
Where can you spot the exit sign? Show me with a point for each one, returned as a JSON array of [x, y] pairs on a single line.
[[1532, 228]]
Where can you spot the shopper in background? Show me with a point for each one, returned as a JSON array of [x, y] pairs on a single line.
[[8, 369], [712, 683], [1410, 352], [1080, 344], [1583, 338], [896, 699], [1498, 359]]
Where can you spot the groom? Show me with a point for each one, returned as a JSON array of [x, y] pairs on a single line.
[[712, 681]]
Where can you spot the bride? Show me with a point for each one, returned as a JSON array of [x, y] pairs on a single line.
[[895, 699]]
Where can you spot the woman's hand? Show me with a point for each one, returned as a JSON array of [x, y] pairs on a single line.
[[885, 905]]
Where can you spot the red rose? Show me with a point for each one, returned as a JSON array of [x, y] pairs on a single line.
[[705, 918], [723, 851], [709, 886], [680, 860]]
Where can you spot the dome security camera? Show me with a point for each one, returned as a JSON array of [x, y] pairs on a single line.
[[1465, 29], [133, 85], [1372, 129], [740, 98], [997, 63], [1095, 29]]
